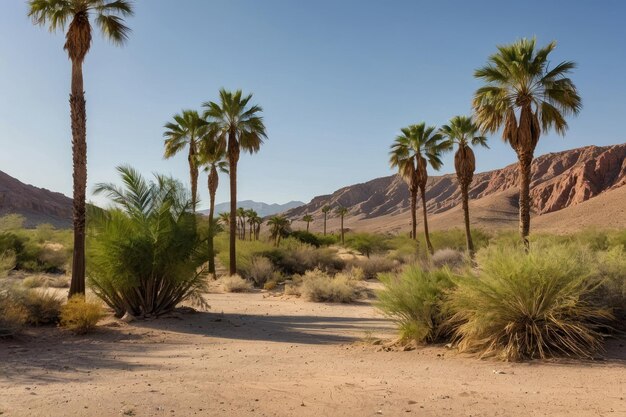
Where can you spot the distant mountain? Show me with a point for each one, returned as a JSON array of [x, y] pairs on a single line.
[[37, 205], [563, 180], [263, 209]]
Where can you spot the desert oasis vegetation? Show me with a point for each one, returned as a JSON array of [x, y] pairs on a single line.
[[475, 267]]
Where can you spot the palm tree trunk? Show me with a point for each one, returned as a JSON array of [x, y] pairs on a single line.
[[324, 224], [213, 183], [414, 214], [233, 157], [193, 175], [525, 161], [468, 232], [307, 227], [426, 234], [78, 116]]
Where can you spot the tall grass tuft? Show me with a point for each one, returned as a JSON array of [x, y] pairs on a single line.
[[146, 255], [527, 306], [413, 299]]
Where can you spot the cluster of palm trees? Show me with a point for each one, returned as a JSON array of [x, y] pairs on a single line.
[[247, 221], [215, 140], [522, 96]]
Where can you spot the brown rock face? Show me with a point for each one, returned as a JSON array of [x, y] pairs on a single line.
[[37, 205], [559, 180]]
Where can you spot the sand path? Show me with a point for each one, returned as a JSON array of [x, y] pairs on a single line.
[[257, 355]]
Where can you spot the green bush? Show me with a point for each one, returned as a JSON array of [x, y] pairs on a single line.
[[306, 237], [146, 256], [526, 306], [367, 243], [8, 261], [413, 299], [80, 315], [611, 270]]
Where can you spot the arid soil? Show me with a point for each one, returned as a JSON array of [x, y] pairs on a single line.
[[260, 355]]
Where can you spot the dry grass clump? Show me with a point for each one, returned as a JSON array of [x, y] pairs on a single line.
[[34, 281], [261, 270], [43, 307], [375, 265], [13, 315], [80, 315], [8, 261], [527, 306], [234, 283], [611, 270], [320, 287], [451, 258], [414, 300]]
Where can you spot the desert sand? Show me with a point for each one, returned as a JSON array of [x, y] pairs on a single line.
[[260, 355]]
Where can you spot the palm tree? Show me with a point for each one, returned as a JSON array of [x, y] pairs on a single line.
[[240, 127], [109, 17], [407, 170], [224, 218], [308, 219], [523, 97], [463, 132], [213, 157], [187, 129], [255, 225], [423, 145], [241, 214], [325, 210], [341, 211], [251, 215], [279, 226]]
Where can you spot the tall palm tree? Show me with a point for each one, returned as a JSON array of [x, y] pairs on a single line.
[[325, 210], [279, 226], [187, 130], [240, 127], [109, 17], [213, 157], [408, 172], [308, 219], [523, 96], [463, 132], [255, 224], [341, 212], [423, 145]]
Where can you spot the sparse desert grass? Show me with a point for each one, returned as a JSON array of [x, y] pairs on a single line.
[[34, 281], [43, 307], [8, 261], [235, 283], [414, 300], [80, 315], [526, 306], [451, 258], [374, 265], [611, 270], [318, 286], [13, 315]]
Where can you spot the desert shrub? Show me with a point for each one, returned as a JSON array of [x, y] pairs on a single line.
[[611, 269], [320, 287], [374, 265], [43, 307], [413, 299], [34, 281], [367, 243], [146, 255], [328, 239], [11, 222], [525, 306], [306, 237], [451, 258], [8, 261], [297, 259], [80, 315], [403, 249], [355, 273], [13, 315], [61, 281], [246, 252], [261, 270], [234, 283]]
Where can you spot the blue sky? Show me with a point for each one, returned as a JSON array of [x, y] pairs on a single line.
[[336, 79]]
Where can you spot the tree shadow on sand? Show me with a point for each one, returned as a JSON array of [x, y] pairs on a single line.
[[316, 330]]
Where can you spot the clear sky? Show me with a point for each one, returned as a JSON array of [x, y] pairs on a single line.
[[336, 79]]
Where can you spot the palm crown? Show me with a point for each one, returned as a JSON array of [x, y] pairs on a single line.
[[462, 131], [518, 80], [234, 116], [416, 144], [186, 130], [108, 17]]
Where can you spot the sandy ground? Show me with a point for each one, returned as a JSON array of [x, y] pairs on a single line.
[[259, 355]]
